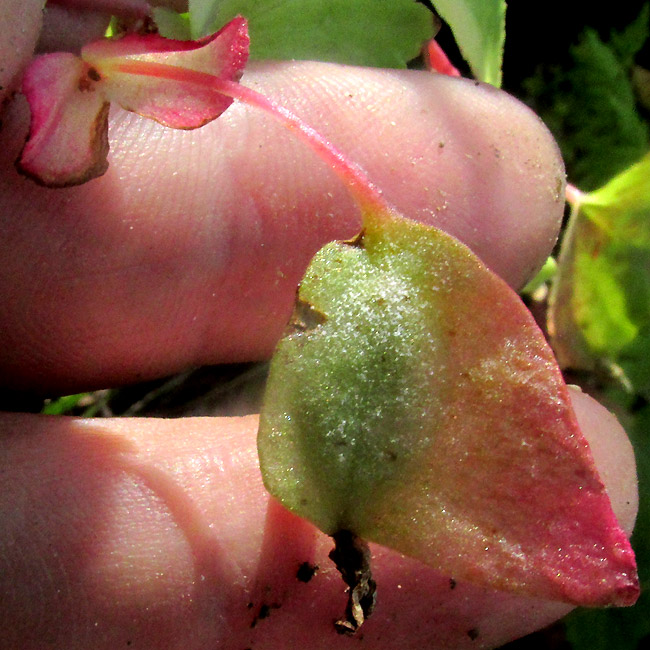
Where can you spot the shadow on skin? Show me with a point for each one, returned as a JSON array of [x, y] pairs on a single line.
[[85, 511], [159, 533]]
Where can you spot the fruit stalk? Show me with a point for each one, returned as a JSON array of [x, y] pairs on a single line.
[[351, 554], [367, 196]]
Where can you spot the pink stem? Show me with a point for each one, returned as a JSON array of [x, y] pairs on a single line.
[[437, 60], [367, 196], [572, 194]]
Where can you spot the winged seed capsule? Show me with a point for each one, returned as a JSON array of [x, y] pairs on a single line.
[[417, 405]]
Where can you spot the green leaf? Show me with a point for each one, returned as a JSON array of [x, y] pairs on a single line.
[[620, 208], [624, 629], [600, 301], [113, 28], [203, 16], [415, 403], [379, 33], [81, 404], [479, 27], [171, 24], [64, 404], [591, 107], [544, 276]]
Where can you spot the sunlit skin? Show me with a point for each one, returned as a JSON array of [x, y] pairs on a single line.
[[240, 271], [112, 524]]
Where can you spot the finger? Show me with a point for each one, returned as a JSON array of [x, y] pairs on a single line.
[[20, 24], [70, 24], [189, 250], [69, 28], [613, 455], [136, 8], [159, 534]]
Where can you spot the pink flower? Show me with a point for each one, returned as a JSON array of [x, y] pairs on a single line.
[[69, 96]]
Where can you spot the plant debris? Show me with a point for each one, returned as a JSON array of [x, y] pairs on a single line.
[[352, 558]]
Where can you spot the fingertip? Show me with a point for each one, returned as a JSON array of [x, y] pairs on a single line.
[[20, 24], [613, 454], [464, 156], [69, 28], [159, 532]]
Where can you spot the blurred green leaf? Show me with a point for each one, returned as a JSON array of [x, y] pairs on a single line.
[[377, 33], [479, 27], [626, 628], [81, 404], [171, 24], [544, 275], [600, 301], [591, 107], [620, 208], [204, 16], [63, 405]]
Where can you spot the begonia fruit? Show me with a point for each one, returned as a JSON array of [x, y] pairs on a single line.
[[414, 402], [69, 96]]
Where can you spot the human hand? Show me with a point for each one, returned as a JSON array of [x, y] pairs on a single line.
[[147, 533]]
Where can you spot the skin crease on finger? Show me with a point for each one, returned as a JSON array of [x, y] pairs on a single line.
[[194, 242], [159, 534]]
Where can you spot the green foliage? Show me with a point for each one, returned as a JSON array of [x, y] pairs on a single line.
[[82, 404], [600, 302], [379, 33], [590, 106], [479, 29], [624, 629], [545, 275], [63, 405], [171, 24]]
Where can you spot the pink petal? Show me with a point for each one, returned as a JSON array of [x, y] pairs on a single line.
[[67, 142], [179, 102]]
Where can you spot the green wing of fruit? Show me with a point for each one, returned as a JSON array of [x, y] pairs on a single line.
[[415, 403]]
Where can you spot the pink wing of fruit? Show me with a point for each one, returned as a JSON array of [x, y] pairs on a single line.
[[69, 96]]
